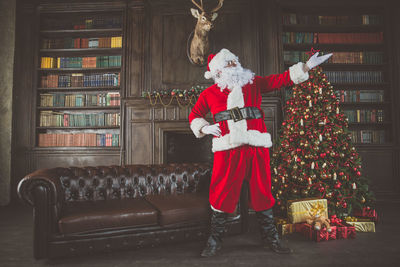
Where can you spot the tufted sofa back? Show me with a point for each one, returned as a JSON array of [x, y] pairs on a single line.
[[131, 181]]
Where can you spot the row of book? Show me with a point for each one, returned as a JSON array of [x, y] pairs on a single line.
[[80, 80], [365, 115], [338, 57], [354, 76], [332, 38], [80, 62], [64, 119], [78, 139], [354, 96], [81, 22], [68, 43], [368, 136], [80, 100], [293, 18]]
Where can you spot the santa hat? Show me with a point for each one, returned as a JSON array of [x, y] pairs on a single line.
[[218, 62]]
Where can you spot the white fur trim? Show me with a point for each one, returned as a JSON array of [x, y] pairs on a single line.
[[297, 75], [250, 137], [207, 75], [237, 129], [220, 60], [196, 126]]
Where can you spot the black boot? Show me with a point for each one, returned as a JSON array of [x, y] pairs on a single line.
[[218, 221], [269, 233]]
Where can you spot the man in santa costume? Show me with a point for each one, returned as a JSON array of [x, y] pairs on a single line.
[[241, 141]]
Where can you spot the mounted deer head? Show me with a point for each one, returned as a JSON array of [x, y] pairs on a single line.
[[199, 45]]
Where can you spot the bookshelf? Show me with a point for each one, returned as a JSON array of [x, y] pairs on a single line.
[[78, 86], [358, 69]]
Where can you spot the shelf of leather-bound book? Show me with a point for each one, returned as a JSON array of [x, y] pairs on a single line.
[[81, 51], [82, 32], [370, 125], [332, 28], [83, 148], [81, 108], [379, 105], [76, 127], [335, 47], [360, 86], [346, 66], [79, 69], [80, 89]]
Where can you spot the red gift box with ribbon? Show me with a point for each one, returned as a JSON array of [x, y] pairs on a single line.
[[367, 213], [317, 235], [343, 229]]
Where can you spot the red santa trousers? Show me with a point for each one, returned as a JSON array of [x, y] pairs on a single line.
[[231, 168]]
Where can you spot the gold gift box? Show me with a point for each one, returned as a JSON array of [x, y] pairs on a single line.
[[298, 210], [361, 225], [284, 227]]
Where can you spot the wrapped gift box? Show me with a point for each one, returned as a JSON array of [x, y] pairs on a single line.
[[299, 210], [367, 213], [361, 224], [310, 233], [284, 227]]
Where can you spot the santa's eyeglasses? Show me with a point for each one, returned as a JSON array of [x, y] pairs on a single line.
[[231, 63]]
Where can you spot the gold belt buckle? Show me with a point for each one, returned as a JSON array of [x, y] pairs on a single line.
[[236, 114]]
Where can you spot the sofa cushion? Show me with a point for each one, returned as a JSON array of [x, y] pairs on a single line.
[[98, 215], [172, 209]]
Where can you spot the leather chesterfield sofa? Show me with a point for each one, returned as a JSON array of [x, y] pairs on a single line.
[[78, 210]]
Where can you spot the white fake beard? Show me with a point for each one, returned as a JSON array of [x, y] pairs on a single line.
[[234, 77]]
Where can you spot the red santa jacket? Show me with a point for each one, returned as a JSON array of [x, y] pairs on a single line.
[[251, 131]]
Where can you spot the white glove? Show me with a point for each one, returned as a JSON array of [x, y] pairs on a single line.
[[211, 129], [315, 60]]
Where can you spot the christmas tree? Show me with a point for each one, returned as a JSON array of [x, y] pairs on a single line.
[[314, 155]]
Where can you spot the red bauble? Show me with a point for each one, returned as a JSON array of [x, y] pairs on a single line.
[[344, 205], [338, 185], [358, 173], [321, 189]]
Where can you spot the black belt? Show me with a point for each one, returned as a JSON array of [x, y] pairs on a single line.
[[237, 114]]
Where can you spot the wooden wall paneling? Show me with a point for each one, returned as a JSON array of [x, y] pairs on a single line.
[[134, 57], [139, 134], [377, 166], [393, 11], [76, 157], [234, 29], [269, 16], [23, 93], [273, 115]]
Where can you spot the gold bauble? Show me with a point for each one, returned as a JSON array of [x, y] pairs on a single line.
[[332, 154], [285, 185], [275, 180], [295, 167], [301, 132], [308, 97], [341, 155], [280, 192], [302, 163], [307, 110]]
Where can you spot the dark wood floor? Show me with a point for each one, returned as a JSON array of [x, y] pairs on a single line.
[[368, 249]]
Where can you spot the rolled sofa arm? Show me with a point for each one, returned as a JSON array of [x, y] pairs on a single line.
[[42, 190], [47, 178]]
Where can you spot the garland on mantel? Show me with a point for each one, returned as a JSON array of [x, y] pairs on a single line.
[[184, 98]]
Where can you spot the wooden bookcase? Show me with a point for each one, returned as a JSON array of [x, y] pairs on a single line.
[[359, 69], [79, 79]]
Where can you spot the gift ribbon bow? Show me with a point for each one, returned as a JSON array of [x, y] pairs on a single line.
[[335, 220], [317, 209]]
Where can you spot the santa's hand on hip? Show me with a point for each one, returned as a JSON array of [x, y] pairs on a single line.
[[212, 129]]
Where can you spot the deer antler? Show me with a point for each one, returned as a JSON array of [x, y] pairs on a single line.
[[199, 6], [220, 3]]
